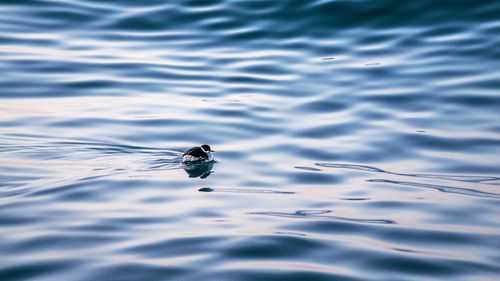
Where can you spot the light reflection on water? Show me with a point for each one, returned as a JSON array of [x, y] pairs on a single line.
[[353, 141]]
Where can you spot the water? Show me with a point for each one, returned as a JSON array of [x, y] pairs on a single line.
[[355, 140]]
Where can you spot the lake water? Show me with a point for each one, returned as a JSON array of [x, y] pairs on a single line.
[[355, 140]]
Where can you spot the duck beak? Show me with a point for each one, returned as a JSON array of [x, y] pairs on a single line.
[[212, 150]]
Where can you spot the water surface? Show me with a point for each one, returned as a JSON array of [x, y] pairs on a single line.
[[356, 140]]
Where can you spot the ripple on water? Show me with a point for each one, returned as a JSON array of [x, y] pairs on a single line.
[[354, 142]]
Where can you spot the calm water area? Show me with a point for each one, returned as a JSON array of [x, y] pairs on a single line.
[[355, 140]]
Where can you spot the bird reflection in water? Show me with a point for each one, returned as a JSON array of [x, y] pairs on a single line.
[[198, 170]]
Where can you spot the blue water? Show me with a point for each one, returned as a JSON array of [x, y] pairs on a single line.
[[355, 140]]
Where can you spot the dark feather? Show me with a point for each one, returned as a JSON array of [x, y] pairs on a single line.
[[196, 152]]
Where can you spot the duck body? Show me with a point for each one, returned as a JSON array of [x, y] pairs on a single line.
[[198, 154]]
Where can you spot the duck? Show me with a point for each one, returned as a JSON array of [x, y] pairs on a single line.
[[198, 154]]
